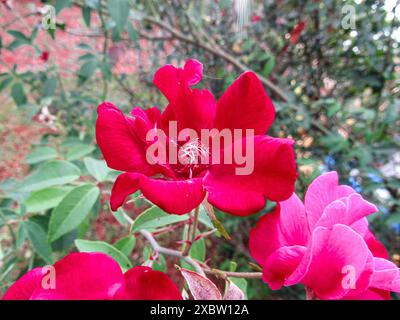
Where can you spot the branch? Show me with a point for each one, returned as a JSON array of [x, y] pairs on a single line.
[[170, 252], [225, 274]]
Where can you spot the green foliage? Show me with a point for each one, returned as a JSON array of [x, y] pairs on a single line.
[[154, 218], [52, 173], [72, 210]]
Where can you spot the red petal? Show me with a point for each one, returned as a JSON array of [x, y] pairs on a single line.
[[330, 252], [168, 78], [142, 283], [350, 211], [281, 264], [173, 196], [370, 294], [84, 276], [285, 226], [378, 249], [193, 109], [245, 105], [321, 192], [115, 136], [386, 275], [24, 287], [273, 177]]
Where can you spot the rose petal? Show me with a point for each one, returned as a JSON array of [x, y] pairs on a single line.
[[193, 109], [168, 78], [346, 211], [321, 192], [386, 275], [245, 105], [378, 249], [370, 294], [265, 237], [334, 255], [143, 283], [116, 138], [24, 287], [173, 196], [84, 276], [273, 176], [281, 264]]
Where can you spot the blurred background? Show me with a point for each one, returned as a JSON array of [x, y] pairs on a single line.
[[331, 67]]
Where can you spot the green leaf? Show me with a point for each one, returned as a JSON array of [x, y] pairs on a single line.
[[119, 216], [86, 14], [97, 168], [87, 69], [105, 68], [333, 109], [126, 245], [133, 35], [7, 214], [119, 12], [52, 173], [72, 210], [18, 94], [61, 4], [18, 35], [5, 82], [38, 240], [79, 151], [269, 66], [219, 226], [45, 199], [100, 246], [154, 218], [49, 87], [204, 218], [34, 33], [41, 154]]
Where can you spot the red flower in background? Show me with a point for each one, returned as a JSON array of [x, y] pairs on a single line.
[[255, 18], [93, 276], [44, 56], [296, 32], [178, 188]]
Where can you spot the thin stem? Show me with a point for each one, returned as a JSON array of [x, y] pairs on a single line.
[[192, 238], [225, 274], [105, 49], [170, 252]]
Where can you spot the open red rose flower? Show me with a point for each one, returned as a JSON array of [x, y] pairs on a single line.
[[92, 276], [180, 187]]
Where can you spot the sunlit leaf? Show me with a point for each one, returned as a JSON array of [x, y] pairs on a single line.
[[72, 210]]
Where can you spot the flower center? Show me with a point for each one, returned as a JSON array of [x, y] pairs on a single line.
[[193, 157]]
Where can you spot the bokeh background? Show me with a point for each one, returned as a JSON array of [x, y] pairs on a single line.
[[331, 67]]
